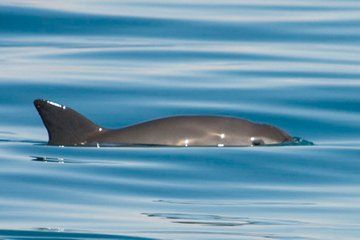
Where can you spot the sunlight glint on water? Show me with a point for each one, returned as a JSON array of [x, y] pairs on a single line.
[[291, 64]]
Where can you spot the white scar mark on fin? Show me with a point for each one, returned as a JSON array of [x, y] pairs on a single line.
[[56, 104]]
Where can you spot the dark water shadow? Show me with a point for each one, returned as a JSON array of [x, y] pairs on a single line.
[[44, 159], [218, 220], [20, 20], [51, 160], [52, 233], [22, 141]]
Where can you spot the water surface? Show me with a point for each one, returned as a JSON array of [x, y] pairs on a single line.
[[293, 64]]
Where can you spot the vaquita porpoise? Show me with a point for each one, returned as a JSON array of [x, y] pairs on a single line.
[[67, 127]]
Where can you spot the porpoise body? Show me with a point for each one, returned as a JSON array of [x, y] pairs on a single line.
[[69, 128]]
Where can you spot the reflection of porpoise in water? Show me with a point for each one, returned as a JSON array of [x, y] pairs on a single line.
[[67, 127]]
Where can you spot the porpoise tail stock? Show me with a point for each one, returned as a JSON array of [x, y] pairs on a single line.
[[67, 127]]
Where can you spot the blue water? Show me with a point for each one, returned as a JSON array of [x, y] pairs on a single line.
[[293, 64]]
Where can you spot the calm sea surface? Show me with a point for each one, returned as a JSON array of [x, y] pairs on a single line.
[[293, 64]]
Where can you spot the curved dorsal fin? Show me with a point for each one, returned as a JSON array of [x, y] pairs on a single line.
[[64, 125]]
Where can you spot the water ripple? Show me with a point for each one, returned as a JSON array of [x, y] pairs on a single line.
[[290, 64]]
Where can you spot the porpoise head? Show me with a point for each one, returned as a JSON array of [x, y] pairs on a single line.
[[264, 134]]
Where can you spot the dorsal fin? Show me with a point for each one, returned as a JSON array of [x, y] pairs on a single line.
[[64, 125]]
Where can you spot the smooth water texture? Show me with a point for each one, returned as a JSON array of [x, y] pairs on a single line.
[[293, 64]]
